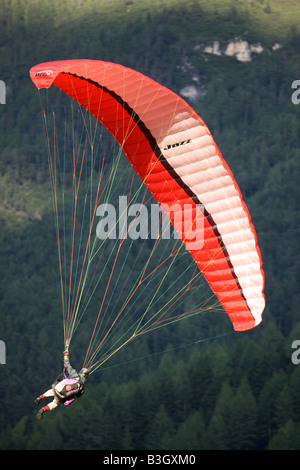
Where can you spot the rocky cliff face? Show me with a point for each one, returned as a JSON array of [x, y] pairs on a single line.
[[237, 47]]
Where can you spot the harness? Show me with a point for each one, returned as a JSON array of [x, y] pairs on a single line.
[[67, 389]]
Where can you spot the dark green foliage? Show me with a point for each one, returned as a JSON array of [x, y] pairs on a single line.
[[146, 415]]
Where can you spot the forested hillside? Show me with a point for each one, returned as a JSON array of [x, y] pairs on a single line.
[[213, 389]]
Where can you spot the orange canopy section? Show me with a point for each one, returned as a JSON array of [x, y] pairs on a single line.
[[173, 152]]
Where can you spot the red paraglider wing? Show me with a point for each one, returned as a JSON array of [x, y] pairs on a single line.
[[172, 150]]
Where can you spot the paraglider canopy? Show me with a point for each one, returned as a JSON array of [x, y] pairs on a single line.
[[173, 152]]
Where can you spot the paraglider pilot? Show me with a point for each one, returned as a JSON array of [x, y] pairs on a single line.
[[66, 387]]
